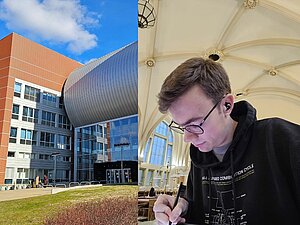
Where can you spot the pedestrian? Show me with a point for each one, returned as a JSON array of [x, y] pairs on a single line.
[[243, 170], [37, 181], [45, 180], [152, 192]]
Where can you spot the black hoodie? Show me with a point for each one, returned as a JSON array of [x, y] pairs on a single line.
[[264, 160]]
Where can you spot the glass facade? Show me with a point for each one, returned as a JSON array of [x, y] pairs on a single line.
[[110, 142], [90, 147], [124, 139]]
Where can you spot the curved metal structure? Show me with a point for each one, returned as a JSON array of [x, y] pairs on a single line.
[[104, 89]]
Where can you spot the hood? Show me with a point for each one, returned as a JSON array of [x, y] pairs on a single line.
[[245, 115]]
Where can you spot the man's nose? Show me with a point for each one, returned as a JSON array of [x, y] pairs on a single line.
[[188, 137]]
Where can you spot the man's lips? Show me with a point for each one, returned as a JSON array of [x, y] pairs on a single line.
[[199, 145]]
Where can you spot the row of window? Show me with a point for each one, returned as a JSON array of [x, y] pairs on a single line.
[[30, 137], [91, 132], [34, 94], [27, 155], [23, 175], [160, 179], [48, 118]]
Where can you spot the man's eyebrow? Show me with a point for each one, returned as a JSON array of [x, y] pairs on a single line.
[[189, 121]]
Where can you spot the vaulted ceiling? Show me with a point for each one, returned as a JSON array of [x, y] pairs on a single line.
[[258, 42]]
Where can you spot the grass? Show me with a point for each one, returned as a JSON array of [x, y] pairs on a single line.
[[35, 210]]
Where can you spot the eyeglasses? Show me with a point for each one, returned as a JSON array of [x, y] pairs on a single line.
[[193, 128]]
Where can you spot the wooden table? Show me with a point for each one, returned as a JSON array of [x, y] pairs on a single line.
[[145, 208]]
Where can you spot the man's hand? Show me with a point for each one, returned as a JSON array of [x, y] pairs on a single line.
[[164, 213]]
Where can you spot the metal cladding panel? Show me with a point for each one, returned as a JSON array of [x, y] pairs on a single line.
[[107, 91]]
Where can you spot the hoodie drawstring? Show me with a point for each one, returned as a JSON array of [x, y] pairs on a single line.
[[233, 187], [209, 195]]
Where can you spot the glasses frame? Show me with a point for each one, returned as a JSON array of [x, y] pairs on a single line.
[[180, 130]]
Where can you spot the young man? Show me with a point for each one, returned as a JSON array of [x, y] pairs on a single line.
[[243, 171]]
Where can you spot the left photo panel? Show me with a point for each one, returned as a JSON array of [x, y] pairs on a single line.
[[68, 112]]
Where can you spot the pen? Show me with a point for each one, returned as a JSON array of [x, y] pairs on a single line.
[[177, 198]]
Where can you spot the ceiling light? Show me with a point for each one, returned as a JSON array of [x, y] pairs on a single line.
[[214, 57], [150, 62], [146, 14], [214, 54]]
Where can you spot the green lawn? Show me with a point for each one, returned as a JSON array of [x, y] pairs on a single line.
[[34, 210]]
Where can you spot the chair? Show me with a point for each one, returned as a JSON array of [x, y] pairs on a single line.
[[150, 209]]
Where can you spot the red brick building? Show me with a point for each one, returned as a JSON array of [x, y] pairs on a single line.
[[40, 73]]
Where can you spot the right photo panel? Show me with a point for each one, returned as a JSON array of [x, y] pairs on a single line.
[[218, 109]]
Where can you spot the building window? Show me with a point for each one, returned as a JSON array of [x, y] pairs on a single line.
[[162, 129], [61, 103], [99, 130], [22, 173], [149, 178], [63, 142], [15, 111], [47, 139], [105, 132], [123, 139], [33, 156], [24, 155], [32, 94], [9, 175], [146, 151], [13, 135], [28, 137], [17, 91], [30, 114], [158, 150], [49, 99], [11, 154], [169, 155], [63, 122], [48, 118], [141, 177]]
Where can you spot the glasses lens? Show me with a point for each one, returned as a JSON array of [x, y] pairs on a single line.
[[194, 129]]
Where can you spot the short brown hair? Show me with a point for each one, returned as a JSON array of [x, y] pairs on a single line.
[[209, 75]]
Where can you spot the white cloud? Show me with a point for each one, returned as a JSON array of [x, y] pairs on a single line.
[[90, 60], [57, 21]]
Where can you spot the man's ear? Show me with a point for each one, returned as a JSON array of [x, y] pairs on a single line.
[[228, 103]]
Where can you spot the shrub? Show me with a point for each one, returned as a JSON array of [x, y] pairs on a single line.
[[109, 211]]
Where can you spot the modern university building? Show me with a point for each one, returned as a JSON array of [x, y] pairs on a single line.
[[50, 108]]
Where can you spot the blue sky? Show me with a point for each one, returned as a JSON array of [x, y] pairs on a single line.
[[80, 29]]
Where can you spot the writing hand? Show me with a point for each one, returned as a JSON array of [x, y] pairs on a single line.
[[164, 213]]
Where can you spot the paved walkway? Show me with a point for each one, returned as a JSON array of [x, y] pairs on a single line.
[[23, 193]]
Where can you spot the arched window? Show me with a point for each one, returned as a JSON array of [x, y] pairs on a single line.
[[158, 150]]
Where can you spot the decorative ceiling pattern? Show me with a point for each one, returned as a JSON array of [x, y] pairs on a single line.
[[257, 41]]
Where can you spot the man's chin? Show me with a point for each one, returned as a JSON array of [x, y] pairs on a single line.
[[203, 149]]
